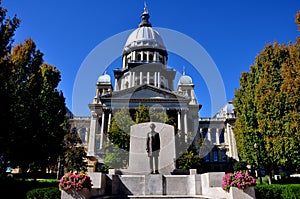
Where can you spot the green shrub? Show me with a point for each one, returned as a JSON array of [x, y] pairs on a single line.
[[44, 193], [239, 166], [289, 191]]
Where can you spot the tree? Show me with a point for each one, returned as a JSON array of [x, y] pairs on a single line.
[[268, 106], [74, 153], [119, 133], [190, 159], [33, 111], [7, 30]]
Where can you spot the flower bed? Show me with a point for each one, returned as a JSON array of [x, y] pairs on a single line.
[[76, 182], [241, 180]]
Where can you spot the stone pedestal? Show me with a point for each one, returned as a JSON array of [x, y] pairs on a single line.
[[207, 185], [154, 185], [138, 157], [248, 193], [72, 194], [212, 184], [128, 185]]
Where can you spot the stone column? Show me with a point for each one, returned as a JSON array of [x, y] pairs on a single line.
[[134, 55], [185, 126], [133, 79], [158, 79], [217, 136], [141, 78], [155, 56], [200, 132], [109, 121], [155, 78], [229, 140], [179, 120], [148, 77], [124, 61], [92, 134], [102, 129], [209, 134], [130, 79]]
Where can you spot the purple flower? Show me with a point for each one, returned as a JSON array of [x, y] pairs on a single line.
[[75, 181]]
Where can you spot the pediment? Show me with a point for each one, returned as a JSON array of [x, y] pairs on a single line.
[[146, 92]]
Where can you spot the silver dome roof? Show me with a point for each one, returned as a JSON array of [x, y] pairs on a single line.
[[104, 79], [185, 79], [144, 37]]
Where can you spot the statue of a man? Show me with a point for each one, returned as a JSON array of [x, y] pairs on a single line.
[[153, 148]]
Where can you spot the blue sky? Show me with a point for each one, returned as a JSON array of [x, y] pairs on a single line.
[[232, 32]]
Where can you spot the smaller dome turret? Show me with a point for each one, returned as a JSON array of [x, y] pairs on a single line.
[[185, 79], [104, 79]]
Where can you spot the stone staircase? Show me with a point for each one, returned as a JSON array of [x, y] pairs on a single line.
[[153, 197]]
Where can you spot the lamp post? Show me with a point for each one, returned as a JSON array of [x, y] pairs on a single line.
[[256, 146]]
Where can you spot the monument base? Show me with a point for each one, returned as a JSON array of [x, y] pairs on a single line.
[[208, 185]]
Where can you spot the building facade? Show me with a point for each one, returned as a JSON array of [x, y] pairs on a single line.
[[144, 78]]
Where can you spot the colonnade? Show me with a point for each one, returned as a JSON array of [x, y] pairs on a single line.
[[137, 78]]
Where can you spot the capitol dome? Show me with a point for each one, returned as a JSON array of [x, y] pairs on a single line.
[[185, 79], [104, 79], [144, 36]]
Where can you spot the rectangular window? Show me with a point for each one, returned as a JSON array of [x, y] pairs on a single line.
[[216, 156], [207, 158], [223, 155], [213, 136], [204, 133], [222, 138]]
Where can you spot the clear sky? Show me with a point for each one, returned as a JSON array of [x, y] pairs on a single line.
[[232, 32]]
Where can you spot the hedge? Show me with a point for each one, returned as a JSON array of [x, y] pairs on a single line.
[[44, 193], [288, 191]]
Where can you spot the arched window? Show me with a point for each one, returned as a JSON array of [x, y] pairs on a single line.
[[223, 155], [216, 155], [139, 57], [204, 133], [82, 135], [160, 58], [222, 138], [151, 57], [129, 59], [207, 158], [144, 57], [213, 136]]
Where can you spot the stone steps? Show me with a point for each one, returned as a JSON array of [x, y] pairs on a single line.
[[153, 197]]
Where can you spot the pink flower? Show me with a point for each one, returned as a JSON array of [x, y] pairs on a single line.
[[241, 180], [75, 181]]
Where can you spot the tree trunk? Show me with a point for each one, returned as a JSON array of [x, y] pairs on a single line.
[[269, 177]]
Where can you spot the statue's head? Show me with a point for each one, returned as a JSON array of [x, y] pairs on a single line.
[[152, 126]]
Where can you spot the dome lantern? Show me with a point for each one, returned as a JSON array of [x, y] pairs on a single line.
[[145, 17], [144, 37]]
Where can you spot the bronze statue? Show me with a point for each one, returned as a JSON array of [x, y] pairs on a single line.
[[153, 148]]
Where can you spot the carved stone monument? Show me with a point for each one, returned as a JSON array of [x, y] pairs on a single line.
[[138, 156]]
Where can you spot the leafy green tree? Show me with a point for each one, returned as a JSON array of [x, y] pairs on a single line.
[[190, 159], [8, 27], [268, 106], [74, 153], [119, 133], [33, 111], [116, 150]]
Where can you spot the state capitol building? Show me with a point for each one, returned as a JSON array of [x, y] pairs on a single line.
[[144, 78]]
